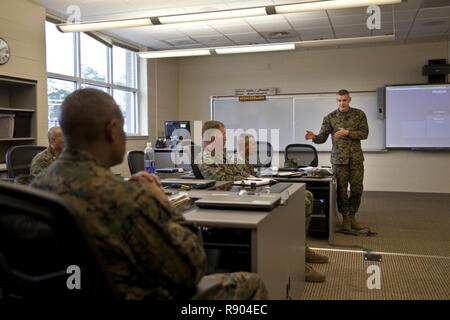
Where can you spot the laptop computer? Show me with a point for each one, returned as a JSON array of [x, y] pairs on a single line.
[[191, 183], [264, 201]]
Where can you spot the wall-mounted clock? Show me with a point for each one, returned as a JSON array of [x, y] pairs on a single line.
[[4, 51]]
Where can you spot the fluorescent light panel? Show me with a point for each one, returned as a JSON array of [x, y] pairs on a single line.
[[256, 48], [174, 53], [217, 15], [329, 5], [264, 47], [104, 25], [225, 14], [354, 40]]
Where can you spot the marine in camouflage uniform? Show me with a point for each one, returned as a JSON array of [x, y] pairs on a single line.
[[224, 168], [39, 163], [42, 160], [150, 249], [347, 159]]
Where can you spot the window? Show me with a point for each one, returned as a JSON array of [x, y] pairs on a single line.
[[57, 91], [77, 60]]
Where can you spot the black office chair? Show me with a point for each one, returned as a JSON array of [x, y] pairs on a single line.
[[40, 237], [304, 155], [195, 150], [135, 160], [264, 152], [18, 159]]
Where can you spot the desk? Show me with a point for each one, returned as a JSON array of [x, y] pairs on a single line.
[[276, 239], [319, 186]]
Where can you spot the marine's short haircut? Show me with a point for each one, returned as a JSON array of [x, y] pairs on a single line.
[[343, 92], [212, 124], [84, 114]]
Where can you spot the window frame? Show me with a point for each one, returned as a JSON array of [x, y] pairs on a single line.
[[109, 84]]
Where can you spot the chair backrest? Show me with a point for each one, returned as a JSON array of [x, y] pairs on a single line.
[[195, 150], [40, 237], [18, 159], [304, 155], [135, 161], [264, 151]]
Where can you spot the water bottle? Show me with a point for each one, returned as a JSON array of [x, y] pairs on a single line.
[[149, 158]]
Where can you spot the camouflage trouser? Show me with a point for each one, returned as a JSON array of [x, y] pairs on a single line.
[[309, 201], [352, 173], [240, 286]]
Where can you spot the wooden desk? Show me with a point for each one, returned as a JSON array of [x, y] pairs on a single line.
[[277, 239]]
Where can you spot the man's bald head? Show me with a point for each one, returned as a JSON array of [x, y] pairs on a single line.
[[84, 114], [91, 120], [56, 139]]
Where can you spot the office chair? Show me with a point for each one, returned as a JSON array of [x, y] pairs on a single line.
[[195, 150], [18, 159], [304, 155], [41, 236], [135, 160], [264, 152]]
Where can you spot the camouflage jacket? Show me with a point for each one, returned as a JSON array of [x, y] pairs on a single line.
[[222, 167], [348, 147], [41, 161], [151, 251]]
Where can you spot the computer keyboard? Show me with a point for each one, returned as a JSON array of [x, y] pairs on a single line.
[[279, 187]]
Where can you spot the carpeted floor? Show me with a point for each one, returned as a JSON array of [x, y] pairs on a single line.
[[413, 239]]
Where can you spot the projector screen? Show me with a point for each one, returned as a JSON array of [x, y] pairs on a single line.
[[418, 116]]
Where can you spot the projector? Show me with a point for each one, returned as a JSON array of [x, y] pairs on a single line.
[[436, 70]]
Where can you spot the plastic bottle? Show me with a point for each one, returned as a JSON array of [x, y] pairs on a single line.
[[149, 158]]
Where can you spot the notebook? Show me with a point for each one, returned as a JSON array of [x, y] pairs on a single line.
[[264, 201], [191, 183]]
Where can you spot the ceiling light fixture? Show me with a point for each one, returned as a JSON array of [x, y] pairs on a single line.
[[354, 40], [174, 53], [329, 5], [222, 14], [256, 48], [104, 25], [264, 47], [215, 15]]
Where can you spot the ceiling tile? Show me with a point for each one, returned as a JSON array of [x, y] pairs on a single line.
[[214, 41], [268, 27], [311, 24], [434, 13], [231, 26], [197, 30], [347, 12], [348, 20], [306, 15], [325, 33], [245, 37]]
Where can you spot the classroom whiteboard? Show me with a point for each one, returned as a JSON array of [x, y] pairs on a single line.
[[273, 113], [310, 110], [293, 114]]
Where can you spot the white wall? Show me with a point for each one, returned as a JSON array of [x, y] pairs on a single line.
[[326, 70], [22, 26]]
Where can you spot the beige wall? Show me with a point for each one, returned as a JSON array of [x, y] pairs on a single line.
[[326, 70], [22, 26]]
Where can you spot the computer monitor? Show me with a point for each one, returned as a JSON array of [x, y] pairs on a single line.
[[177, 128]]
